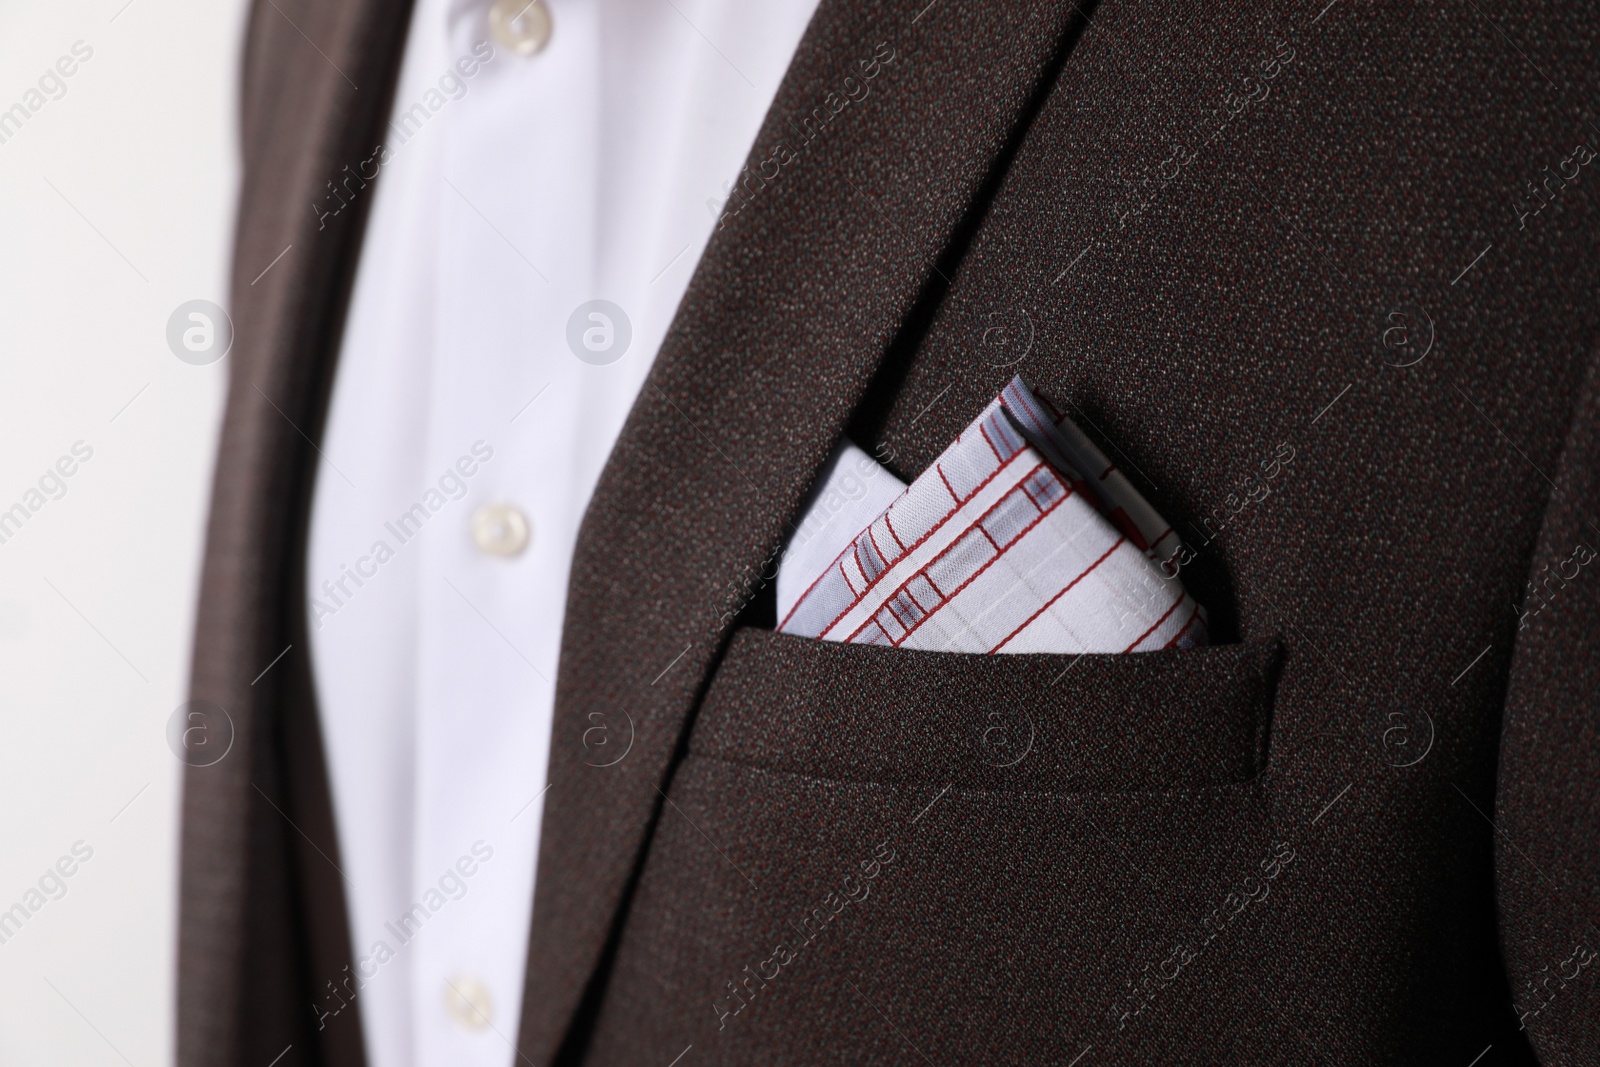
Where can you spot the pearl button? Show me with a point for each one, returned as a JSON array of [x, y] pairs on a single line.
[[468, 1001], [500, 529], [521, 25]]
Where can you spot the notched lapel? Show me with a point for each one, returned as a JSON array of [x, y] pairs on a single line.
[[855, 186]]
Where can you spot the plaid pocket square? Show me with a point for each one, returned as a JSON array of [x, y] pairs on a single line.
[[1020, 537]]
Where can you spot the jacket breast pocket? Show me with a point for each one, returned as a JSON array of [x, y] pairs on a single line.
[[877, 855], [1042, 723]]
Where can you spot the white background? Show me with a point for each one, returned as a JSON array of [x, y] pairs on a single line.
[[142, 149]]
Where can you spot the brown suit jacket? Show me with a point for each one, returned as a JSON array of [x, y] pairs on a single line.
[[1322, 277]]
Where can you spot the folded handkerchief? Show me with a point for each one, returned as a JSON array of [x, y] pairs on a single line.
[[1020, 537]]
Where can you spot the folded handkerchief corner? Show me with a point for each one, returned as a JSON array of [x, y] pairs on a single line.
[[1020, 537]]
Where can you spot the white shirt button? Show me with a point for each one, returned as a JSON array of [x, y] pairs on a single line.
[[468, 1002], [500, 529], [521, 25]]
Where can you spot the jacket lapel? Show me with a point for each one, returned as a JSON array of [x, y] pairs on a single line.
[[819, 265], [318, 75], [857, 196]]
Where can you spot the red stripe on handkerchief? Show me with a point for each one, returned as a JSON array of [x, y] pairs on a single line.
[[1051, 602]]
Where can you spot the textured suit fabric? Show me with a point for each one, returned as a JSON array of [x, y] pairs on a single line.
[[253, 885], [869, 715], [1547, 853], [1297, 240]]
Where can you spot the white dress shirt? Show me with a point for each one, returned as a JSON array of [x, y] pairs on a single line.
[[512, 189]]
